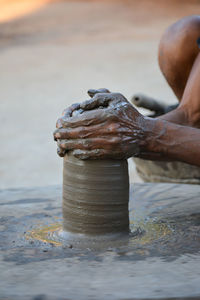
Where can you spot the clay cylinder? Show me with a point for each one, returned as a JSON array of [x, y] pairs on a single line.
[[95, 196]]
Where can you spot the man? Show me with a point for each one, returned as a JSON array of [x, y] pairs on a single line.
[[108, 126]]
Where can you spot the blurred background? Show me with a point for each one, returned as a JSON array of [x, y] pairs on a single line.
[[52, 52]]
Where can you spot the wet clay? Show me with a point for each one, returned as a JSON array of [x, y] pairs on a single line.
[[95, 196]]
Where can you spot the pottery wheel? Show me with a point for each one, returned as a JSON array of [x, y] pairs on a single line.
[[161, 259]]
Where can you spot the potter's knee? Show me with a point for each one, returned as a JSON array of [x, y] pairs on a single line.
[[179, 42], [180, 34]]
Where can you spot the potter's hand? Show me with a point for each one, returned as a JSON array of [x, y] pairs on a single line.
[[106, 126]]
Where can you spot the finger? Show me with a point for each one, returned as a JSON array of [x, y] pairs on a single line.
[[100, 99], [56, 134], [61, 152], [59, 123], [97, 154], [92, 92], [104, 99], [89, 144], [74, 144], [67, 113], [83, 132], [88, 118], [67, 133]]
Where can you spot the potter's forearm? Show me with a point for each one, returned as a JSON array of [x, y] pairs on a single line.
[[168, 141]]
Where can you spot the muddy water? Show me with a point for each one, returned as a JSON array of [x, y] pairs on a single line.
[[164, 221], [95, 196], [160, 262]]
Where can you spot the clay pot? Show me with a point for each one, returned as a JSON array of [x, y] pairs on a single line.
[[95, 196]]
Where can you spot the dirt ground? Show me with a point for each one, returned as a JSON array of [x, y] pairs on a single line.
[[53, 51]]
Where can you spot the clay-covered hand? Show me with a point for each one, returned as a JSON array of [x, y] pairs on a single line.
[[105, 126]]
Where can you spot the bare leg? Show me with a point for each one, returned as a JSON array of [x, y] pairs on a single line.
[[178, 59]]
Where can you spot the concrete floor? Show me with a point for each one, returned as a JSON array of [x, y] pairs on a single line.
[[50, 57]]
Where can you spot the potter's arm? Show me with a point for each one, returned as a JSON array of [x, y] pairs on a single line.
[[169, 141], [108, 126]]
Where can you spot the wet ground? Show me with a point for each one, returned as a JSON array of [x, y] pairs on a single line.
[[52, 53], [159, 260]]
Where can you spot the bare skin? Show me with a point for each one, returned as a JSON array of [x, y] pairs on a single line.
[[108, 126], [179, 61]]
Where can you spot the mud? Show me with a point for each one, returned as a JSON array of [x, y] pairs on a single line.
[[162, 262], [95, 196]]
